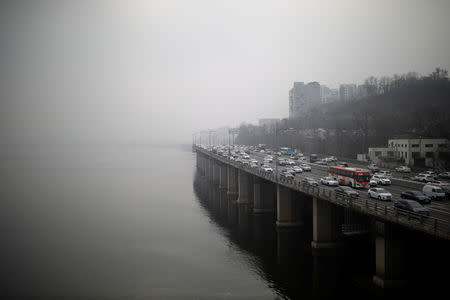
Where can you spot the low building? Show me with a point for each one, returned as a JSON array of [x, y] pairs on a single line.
[[413, 152]]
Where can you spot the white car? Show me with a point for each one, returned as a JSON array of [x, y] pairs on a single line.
[[381, 180], [373, 182], [305, 167], [291, 163], [380, 194], [373, 167], [297, 169], [267, 169], [322, 162], [439, 183], [384, 173], [331, 181], [403, 169], [423, 177]]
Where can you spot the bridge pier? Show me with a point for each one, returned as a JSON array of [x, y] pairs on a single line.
[[216, 172], [232, 182], [389, 256], [209, 169], [223, 176], [243, 187], [326, 219], [288, 208], [264, 195]]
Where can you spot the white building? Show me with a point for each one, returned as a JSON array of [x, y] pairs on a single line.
[[348, 92], [419, 152], [302, 97], [328, 95]]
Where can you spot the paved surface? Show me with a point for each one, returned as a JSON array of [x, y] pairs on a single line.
[[438, 209]]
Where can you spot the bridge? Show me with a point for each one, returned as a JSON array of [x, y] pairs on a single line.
[[333, 216]]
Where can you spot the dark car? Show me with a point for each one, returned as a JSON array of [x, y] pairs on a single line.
[[417, 196], [346, 191], [411, 206]]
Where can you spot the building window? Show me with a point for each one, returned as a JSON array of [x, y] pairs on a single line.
[[428, 145], [415, 154], [415, 145], [377, 153], [442, 145], [428, 154], [390, 153], [406, 154]]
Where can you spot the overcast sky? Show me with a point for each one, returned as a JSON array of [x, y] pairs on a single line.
[[158, 71]]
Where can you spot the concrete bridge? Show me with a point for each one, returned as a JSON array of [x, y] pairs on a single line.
[[332, 216]]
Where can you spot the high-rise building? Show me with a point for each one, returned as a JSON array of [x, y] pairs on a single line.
[[328, 95], [347, 92], [302, 97]]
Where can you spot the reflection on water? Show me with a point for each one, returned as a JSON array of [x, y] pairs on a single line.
[[283, 257]]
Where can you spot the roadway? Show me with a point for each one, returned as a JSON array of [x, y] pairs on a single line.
[[438, 209]]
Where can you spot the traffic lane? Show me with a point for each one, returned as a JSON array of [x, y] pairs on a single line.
[[438, 209]]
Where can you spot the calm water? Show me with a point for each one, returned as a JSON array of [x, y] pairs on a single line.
[[135, 222]]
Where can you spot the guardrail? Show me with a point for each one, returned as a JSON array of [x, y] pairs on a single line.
[[431, 225]]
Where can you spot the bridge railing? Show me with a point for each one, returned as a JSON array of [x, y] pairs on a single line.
[[432, 225]]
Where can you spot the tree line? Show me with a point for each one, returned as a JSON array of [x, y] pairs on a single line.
[[400, 105]]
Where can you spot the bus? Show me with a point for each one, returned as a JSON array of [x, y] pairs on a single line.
[[286, 151], [354, 177]]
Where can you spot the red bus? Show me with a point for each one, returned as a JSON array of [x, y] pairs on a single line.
[[357, 178]]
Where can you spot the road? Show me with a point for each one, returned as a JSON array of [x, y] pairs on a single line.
[[438, 209]]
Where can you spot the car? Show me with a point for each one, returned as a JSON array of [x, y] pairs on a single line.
[[266, 168], [287, 175], [379, 193], [439, 183], [253, 165], [412, 206], [297, 169], [430, 172], [346, 191], [445, 175], [322, 162], [290, 163], [417, 196], [289, 170], [305, 167], [373, 182], [373, 167], [310, 181], [331, 181], [384, 173], [342, 164], [381, 180], [403, 169], [434, 192], [423, 177]]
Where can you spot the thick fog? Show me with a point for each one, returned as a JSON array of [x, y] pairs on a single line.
[[158, 71]]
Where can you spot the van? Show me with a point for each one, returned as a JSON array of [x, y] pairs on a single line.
[[434, 192]]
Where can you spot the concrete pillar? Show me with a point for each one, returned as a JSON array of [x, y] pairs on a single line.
[[325, 225], [232, 181], [243, 187], [216, 172], [208, 169], [389, 256], [264, 195], [223, 177], [288, 208]]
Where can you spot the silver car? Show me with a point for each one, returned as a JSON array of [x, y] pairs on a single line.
[[331, 181]]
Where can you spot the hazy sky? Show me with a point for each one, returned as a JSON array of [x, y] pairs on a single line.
[[157, 71]]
